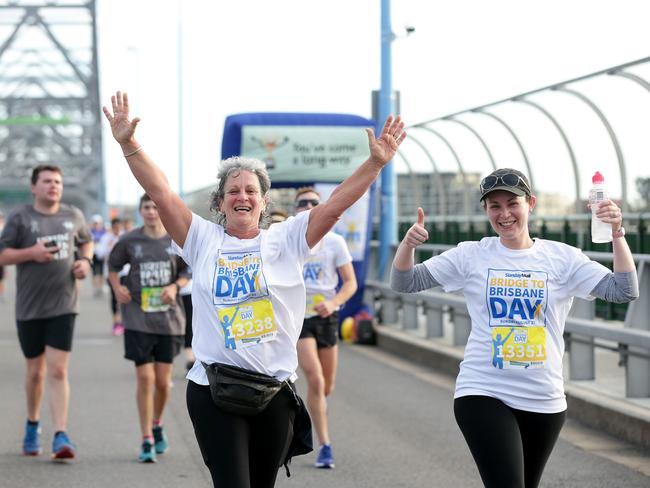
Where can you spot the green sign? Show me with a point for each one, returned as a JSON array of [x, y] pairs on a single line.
[[35, 120], [15, 195], [306, 153]]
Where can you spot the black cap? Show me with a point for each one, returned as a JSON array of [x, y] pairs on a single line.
[[499, 180]]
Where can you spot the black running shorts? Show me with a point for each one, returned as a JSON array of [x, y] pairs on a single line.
[[143, 348], [55, 332], [324, 330]]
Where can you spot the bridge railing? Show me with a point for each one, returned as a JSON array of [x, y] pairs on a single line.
[[574, 230], [440, 316]]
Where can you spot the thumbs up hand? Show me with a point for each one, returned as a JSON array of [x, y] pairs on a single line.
[[417, 234]]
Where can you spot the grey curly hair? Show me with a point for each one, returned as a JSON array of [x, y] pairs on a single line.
[[233, 166]]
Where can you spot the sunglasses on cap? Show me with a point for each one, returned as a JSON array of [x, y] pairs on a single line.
[[511, 180], [306, 201]]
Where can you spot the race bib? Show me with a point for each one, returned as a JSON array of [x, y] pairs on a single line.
[[151, 300], [312, 301], [248, 324], [518, 347], [516, 304]]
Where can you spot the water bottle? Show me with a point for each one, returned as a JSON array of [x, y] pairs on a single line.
[[600, 231]]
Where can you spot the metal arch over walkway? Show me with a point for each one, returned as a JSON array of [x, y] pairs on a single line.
[[565, 139], [563, 87], [436, 180], [461, 170], [524, 156], [453, 118], [418, 197], [612, 135]]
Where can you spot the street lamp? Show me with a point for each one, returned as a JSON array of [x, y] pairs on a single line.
[[388, 221], [180, 99], [387, 105]]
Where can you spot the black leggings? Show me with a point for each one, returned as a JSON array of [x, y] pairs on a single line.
[[241, 452], [510, 447]]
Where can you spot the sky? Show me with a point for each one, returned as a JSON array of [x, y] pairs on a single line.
[[307, 56]]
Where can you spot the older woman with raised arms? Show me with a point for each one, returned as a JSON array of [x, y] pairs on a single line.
[[248, 292]]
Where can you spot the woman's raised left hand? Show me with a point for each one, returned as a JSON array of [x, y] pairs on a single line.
[[384, 147]]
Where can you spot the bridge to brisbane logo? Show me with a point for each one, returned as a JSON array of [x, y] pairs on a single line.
[[517, 298], [238, 276]]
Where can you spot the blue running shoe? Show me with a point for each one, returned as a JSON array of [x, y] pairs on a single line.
[[147, 452], [62, 447], [325, 457], [160, 439], [32, 440]]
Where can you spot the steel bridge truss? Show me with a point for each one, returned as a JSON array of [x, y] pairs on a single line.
[[49, 98]]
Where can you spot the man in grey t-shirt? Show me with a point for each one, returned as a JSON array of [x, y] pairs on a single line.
[[153, 316], [51, 247]]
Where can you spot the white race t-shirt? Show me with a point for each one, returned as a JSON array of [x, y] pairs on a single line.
[[518, 301], [248, 296], [320, 271]]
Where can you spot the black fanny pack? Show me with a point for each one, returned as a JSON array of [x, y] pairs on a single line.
[[240, 391]]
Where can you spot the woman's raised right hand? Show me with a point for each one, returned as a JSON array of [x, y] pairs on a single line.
[[122, 128]]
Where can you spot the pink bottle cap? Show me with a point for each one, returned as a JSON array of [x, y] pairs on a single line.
[[597, 178]]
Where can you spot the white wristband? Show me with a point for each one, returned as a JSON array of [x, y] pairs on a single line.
[[132, 153]]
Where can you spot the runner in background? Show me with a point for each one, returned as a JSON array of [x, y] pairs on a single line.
[[40, 239], [127, 222], [278, 215], [153, 316], [102, 251], [317, 348], [97, 230]]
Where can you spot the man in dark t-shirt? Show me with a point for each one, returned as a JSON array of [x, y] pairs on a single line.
[[153, 316], [51, 247]]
